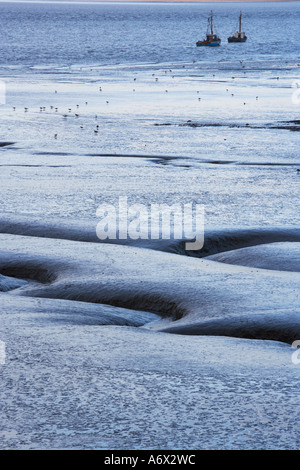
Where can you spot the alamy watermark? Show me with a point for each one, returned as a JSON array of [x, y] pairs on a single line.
[[2, 92], [296, 354], [2, 352], [152, 222]]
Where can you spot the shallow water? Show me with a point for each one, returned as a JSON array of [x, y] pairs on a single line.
[[113, 100]]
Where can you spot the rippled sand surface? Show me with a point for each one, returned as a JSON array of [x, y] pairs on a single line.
[[143, 344], [148, 356]]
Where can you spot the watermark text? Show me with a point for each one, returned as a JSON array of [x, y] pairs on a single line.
[[2, 92], [152, 222], [2, 352]]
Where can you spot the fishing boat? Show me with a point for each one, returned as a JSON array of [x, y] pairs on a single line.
[[238, 36], [212, 39]]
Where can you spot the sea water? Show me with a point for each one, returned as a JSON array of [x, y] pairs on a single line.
[[115, 100]]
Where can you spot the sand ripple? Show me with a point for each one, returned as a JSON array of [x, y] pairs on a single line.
[[221, 294]]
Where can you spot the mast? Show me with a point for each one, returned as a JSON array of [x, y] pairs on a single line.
[[211, 22], [240, 22]]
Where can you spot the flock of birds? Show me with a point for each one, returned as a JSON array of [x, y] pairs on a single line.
[[96, 129], [65, 115]]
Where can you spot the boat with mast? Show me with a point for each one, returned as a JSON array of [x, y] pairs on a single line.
[[238, 36], [212, 39]]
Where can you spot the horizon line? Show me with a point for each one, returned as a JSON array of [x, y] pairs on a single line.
[[83, 2]]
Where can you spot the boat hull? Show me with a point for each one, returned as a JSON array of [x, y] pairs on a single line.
[[234, 39], [209, 44]]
